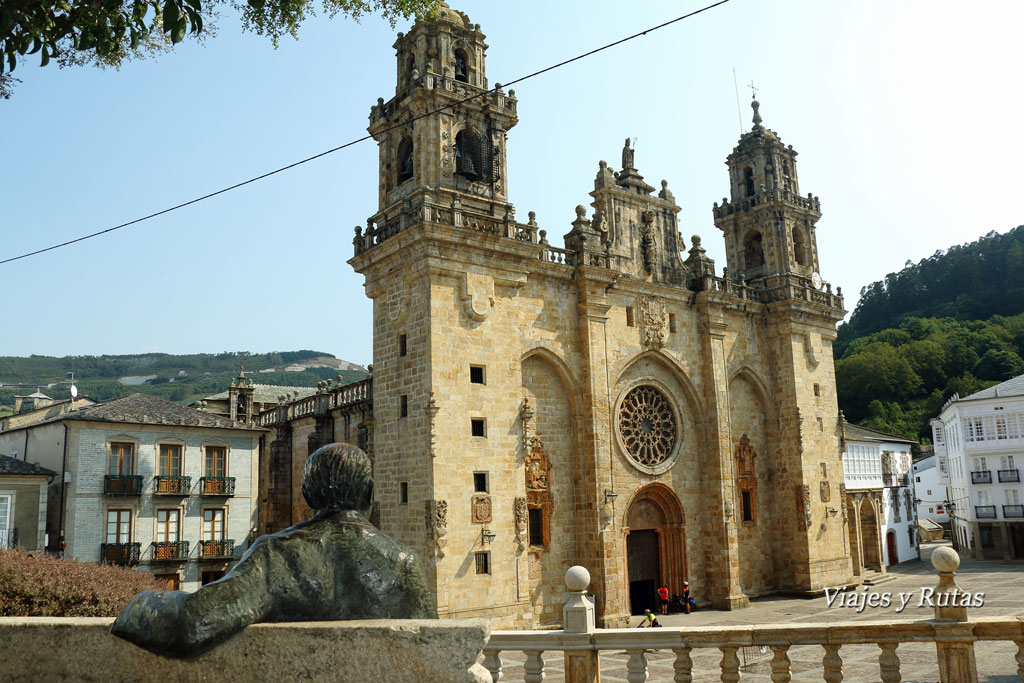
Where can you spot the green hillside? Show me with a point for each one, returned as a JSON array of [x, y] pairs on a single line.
[[952, 323], [179, 378]]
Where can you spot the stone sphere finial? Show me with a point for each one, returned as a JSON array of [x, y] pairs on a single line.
[[581, 211], [577, 578], [945, 559], [664, 184], [695, 239]]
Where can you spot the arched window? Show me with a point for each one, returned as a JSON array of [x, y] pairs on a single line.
[[405, 164], [799, 246], [748, 179], [467, 155], [753, 252], [461, 68]]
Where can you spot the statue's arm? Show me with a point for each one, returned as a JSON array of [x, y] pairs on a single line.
[[179, 624]]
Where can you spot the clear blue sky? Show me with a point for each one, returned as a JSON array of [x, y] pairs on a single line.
[[906, 116]]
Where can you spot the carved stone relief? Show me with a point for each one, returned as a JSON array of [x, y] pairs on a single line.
[[482, 509], [825, 491], [652, 318], [477, 295], [436, 520]]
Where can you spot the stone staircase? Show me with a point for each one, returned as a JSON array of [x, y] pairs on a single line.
[[873, 578]]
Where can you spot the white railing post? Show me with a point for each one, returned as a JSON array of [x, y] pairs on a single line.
[[636, 666], [730, 664], [780, 664], [954, 640], [683, 665], [832, 662], [582, 665], [492, 662], [533, 667]]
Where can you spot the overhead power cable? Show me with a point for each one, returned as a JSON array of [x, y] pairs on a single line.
[[365, 137]]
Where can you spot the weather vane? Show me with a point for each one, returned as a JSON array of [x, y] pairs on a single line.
[[753, 90]]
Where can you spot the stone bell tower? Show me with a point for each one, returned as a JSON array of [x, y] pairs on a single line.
[[768, 226], [442, 136]]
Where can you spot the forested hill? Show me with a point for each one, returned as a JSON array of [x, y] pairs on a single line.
[[953, 323], [181, 378], [974, 281]]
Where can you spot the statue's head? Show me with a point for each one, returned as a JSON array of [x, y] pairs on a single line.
[[338, 477]]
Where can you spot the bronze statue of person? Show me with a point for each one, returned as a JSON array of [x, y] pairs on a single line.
[[334, 566]]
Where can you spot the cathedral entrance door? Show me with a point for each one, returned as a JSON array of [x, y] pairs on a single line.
[[642, 558], [655, 546]]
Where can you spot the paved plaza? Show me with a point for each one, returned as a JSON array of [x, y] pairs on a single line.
[[1001, 582]]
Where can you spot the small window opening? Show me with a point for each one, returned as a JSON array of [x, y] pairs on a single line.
[[467, 157], [403, 345], [824, 471], [799, 247], [480, 482], [483, 563], [821, 425], [536, 526], [478, 426], [404, 406], [476, 374], [405, 164], [461, 71], [671, 322], [753, 251], [748, 507], [404, 492], [817, 390], [748, 180], [629, 316]]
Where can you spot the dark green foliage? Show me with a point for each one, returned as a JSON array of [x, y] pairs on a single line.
[[44, 586], [896, 380], [973, 281], [953, 323]]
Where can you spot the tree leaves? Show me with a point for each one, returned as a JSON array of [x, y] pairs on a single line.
[[106, 32]]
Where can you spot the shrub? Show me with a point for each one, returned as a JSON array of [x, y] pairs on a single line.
[[44, 586]]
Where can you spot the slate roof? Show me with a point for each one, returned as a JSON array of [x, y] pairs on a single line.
[[1011, 387], [143, 409], [852, 431], [9, 465]]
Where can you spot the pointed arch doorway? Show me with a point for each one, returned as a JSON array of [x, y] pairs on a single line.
[[655, 540]]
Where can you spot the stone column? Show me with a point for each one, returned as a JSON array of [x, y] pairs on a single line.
[[723, 562], [581, 666], [954, 635]]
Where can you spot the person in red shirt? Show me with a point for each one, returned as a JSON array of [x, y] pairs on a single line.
[[663, 598]]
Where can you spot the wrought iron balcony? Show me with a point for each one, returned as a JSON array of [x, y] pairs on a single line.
[[981, 477], [1009, 476], [171, 485], [217, 486], [120, 553], [985, 511], [1012, 511], [216, 549], [170, 551], [122, 484]]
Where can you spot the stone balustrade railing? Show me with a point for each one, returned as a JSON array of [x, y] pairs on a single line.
[[766, 196], [319, 403], [952, 632]]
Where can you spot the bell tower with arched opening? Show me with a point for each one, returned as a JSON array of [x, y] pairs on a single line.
[[768, 226], [442, 136]]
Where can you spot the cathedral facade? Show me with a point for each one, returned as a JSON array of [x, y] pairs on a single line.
[[614, 403]]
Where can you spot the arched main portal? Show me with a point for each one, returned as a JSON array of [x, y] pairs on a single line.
[[655, 540]]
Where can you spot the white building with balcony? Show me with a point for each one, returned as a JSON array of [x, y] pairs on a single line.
[[147, 483], [932, 495], [880, 512], [979, 448]]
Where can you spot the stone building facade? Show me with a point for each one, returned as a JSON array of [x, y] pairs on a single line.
[[614, 403]]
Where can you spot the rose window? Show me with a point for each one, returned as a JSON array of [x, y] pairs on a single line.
[[647, 426]]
